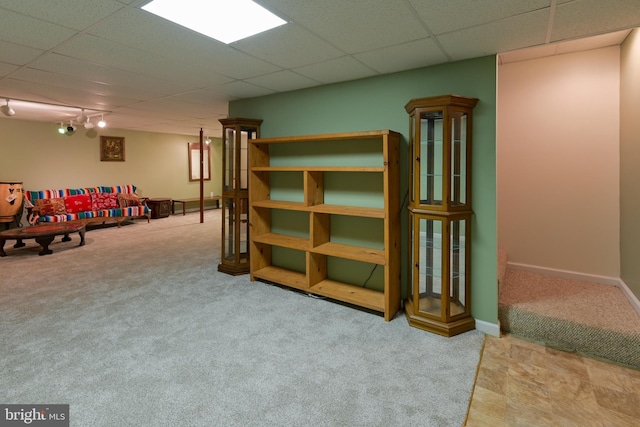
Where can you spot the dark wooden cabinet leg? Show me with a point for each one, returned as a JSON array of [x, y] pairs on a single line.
[[19, 244], [66, 238], [2, 252], [81, 233]]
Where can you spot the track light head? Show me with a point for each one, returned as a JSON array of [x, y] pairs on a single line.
[[7, 110], [102, 123], [61, 129], [88, 124], [71, 128]]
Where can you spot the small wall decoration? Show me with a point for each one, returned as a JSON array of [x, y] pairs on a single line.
[[194, 162], [112, 148]]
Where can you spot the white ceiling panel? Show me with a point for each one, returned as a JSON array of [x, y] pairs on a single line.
[[283, 79], [76, 14], [406, 56], [499, 36], [444, 17], [145, 32], [576, 18], [85, 70], [112, 54], [6, 69], [16, 54], [289, 46], [578, 45], [154, 75], [356, 25], [336, 70], [31, 32], [240, 89], [133, 93]]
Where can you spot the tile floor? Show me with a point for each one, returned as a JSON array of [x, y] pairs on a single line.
[[520, 383]]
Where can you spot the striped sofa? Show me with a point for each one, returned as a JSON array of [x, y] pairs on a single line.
[[91, 204]]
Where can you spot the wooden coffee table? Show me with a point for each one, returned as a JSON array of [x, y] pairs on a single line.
[[44, 235]]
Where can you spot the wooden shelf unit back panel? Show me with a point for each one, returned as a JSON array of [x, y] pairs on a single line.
[[319, 158]]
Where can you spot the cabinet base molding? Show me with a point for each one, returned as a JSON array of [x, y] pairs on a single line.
[[447, 329]]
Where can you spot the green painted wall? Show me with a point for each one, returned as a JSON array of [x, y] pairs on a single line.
[[378, 103]]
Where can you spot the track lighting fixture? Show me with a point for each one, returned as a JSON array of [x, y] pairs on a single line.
[[207, 141], [82, 118], [61, 129], [102, 123], [7, 110], [71, 128], [88, 124]]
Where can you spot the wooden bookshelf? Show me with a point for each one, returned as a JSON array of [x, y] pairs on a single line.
[[331, 168]]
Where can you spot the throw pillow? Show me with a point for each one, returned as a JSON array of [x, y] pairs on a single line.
[[79, 203], [102, 201], [53, 206], [127, 200]]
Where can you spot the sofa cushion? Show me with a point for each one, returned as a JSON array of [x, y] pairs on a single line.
[[127, 200], [53, 206], [100, 201], [79, 203]]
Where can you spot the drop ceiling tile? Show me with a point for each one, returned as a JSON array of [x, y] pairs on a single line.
[[288, 46], [595, 42], [508, 34], [84, 70], [16, 54], [72, 82], [240, 89], [76, 14], [528, 54], [407, 56], [112, 54], [146, 32], [283, 81], [590, 17], [6, 69], [31, 32], [336, 70], [168, 107], [356, 25], [443, 17], [204, 96]]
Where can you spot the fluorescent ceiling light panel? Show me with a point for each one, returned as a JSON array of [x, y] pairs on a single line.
[[223, 20]]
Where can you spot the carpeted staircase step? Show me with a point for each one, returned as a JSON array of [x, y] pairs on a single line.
[[588, 318]]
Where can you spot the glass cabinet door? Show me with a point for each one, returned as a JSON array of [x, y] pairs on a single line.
[[229, 159], [429, 159], [460, 176], [235, 203]]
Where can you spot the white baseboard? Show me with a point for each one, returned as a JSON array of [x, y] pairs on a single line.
[[633, 300], [566, 274], [488, 328]]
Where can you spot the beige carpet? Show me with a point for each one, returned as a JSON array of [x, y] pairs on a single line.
[[589, 318]]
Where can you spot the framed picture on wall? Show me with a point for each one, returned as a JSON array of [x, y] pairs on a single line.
[[194, 162], [112, 148]]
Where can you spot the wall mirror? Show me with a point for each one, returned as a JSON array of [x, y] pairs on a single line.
[[194, 162]]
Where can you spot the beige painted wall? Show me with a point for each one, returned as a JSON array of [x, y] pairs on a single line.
[[558, 161], [630, 162], [34, 153]]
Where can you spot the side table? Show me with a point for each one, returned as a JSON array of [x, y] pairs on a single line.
[[160, 207]]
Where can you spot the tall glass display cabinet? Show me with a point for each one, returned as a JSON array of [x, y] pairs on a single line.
[[235, 193], [439, 297]]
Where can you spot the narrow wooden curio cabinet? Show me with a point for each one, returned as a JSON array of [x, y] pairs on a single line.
[[236, 134], [439, 297]]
